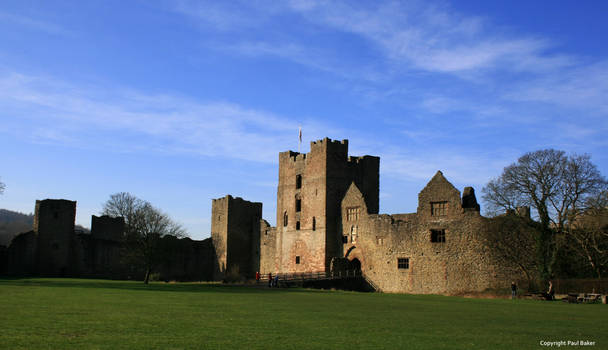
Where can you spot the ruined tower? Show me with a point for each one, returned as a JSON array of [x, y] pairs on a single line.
[[235, 231], [311, 188], [54, 228]]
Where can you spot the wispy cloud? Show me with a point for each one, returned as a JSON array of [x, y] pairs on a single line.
[[583, 87], [35, 24], [90, 117], [427, 37]]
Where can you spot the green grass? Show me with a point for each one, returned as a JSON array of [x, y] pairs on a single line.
[[75, 313]]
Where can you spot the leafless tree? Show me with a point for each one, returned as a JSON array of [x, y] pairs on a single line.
[[589, 233], [145, 226], [554, 185], [512, 240], [2, 187]]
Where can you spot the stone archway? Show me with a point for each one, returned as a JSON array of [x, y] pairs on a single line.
[[354, 265]]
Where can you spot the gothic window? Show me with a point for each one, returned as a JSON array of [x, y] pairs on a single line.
[[403, 263], [439, 208], [314, 223], [285, 219], [353, 234], [352, 214], [298, 181], [438, 236]]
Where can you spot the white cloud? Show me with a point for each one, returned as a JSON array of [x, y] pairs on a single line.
[[63, 113], [433, 38], [582, 87]]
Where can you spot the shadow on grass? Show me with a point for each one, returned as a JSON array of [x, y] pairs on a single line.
[[188, 287]]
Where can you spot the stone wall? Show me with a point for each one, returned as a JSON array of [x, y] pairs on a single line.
[[235, 233], [268, 241], [55, 249], [453, 260]]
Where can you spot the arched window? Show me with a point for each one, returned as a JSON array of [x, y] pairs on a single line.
[[314, 223], [285, 218]]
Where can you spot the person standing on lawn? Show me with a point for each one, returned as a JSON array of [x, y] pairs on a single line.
[[513, 290]]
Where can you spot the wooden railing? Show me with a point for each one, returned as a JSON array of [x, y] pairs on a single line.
[[286, 279], [315, 276]]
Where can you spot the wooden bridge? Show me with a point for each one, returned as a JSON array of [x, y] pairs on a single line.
[[301, 278]]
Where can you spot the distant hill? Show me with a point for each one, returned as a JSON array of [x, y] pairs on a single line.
[[13, 223]]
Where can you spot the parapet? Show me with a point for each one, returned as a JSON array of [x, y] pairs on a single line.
[[107, 227]]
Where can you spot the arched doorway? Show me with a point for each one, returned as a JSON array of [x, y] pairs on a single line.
[[354, 265]]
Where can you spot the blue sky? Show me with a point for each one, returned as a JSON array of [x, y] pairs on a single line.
[[179, 102]]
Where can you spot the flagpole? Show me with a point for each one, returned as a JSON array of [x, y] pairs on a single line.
[[299, 138]]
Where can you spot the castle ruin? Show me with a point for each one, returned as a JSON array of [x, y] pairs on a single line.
[[327, 216], [327, 221]]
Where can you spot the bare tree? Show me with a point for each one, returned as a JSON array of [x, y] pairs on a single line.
[[2, 187], [553, 184], [589, 233], [145, 226], [512, 240]]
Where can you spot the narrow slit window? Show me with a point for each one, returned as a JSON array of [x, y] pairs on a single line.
[[285, 219], [298, 205], [298, 181], [314, 223], [297, 225]]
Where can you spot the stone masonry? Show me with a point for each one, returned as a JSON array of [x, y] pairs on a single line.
[[327, 210]]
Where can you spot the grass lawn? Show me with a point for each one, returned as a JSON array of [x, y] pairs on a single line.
[[76, 313]]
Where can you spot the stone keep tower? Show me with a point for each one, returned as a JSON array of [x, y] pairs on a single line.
[[54, 228], [235, 232], [311, 188]]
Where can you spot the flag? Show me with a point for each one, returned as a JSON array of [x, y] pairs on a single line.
[[300, 133]]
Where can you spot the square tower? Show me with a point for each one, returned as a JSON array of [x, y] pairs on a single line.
[[235, 232], [311, 188], [54, 227]]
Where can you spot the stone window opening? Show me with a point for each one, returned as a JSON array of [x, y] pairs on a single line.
[[379, 240], [298, 181], [285, 219], [403, 263], [298, 205], [297, 225], [353, 234], [438, 236], [344, 239], [352, 214], [298, 260], [439, 208], [314, 223]]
